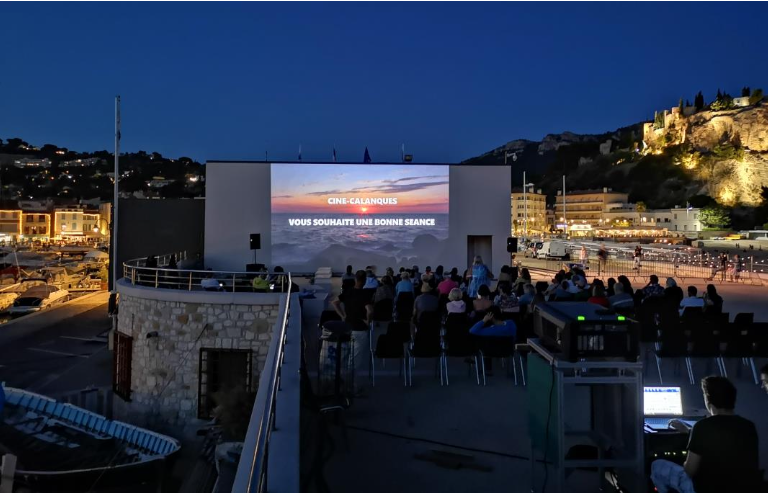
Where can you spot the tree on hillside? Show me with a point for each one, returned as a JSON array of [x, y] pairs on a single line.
[[745, 91], [687, 103], [680, 105], [698, 101], [756, 97], [640, 207], [715, 216]]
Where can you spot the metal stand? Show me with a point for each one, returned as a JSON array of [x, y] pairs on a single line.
[[594, 405]]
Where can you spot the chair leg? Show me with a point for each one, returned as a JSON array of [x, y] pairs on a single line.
[[689, 366], [514, 369], [477, 369], [445, 365], [754, 370], [482, 366], [522, 369], [373, 370], [723, 370], [658, 368]]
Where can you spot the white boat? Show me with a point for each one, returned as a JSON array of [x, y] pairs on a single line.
[[61, 276], [37, 298], [95, 259]]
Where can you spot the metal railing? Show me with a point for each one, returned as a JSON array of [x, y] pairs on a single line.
[[679, 265], [252, 469], [160, 276]]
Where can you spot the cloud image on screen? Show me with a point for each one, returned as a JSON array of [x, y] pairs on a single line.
[[358, 214]]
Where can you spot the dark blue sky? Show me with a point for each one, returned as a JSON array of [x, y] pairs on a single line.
[[229, 81]]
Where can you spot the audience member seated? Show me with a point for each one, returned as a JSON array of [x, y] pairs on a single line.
[[506, 298], [627, 285], [348, 278], [529, 293], [692, 301], [492, 325], [209, 283], [673, 293], [722, 449], [454, 275], [620, 300], [385, 291], [524, 278], [439, 277], [447, 285], [580, 289], [261, 283], [653, 288], [427, 300], [404, 285], [713, 303], [540, 297], [504, 275], [610, 291], [563, 293], [598, 297], [483, 301], [370, 281], [455, 302]]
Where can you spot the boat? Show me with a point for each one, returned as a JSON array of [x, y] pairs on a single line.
[[65, 277], [38, 297], [64, 448], [96, 259]]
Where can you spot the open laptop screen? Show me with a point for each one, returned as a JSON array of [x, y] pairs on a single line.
[[662, 401]]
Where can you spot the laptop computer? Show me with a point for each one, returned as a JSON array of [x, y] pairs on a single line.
[[660, 405]]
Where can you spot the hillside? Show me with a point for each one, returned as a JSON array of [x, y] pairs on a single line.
[[719, 153], [55, 172]]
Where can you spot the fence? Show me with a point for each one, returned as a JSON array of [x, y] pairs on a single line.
[[676, 265], [137, 272]]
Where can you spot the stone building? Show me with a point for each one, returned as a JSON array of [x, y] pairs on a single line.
[[175, 348]]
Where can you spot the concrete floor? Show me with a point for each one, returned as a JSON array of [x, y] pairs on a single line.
[[393, 428]]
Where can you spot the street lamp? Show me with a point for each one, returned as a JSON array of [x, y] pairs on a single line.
[[525, 205]]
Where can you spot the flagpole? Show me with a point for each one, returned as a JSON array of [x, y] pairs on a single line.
[[116, 193]]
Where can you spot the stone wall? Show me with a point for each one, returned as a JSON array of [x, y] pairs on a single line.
[[168, 333]]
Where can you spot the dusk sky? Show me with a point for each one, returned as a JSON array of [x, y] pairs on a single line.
[[306, 188], [231, 81]]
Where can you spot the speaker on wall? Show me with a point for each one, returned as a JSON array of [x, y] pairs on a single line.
[[511, 244], [255, 241]]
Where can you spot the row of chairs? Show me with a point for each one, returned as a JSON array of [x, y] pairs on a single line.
[[711, 337], [441, 338]]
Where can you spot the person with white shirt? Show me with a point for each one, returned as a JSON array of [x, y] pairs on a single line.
[[692, 301]]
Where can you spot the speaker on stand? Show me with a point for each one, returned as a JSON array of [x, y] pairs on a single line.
[[511, 244]]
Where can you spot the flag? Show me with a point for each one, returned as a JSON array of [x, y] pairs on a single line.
[[299, 152], [367, 156], [334, 153]]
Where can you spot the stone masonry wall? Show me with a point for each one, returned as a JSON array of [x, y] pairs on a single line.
[[165, 368]]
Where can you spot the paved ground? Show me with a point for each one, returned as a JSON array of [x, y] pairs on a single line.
[[60, 350], [466, 438]]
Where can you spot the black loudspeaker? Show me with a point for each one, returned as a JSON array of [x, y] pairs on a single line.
[[255, 241], [511, 244]]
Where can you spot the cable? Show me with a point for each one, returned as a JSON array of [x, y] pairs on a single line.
[[546, 436], [441, 443]]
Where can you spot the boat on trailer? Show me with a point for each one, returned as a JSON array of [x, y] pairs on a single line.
[[62, 447]]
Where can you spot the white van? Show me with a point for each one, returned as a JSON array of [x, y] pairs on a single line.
[[553, 249]]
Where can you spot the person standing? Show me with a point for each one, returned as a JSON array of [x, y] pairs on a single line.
[[602, 259], [583, 256], [481, 275], [638, 256]]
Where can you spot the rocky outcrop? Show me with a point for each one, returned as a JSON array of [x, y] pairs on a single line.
[[747, 127], [555, 141]]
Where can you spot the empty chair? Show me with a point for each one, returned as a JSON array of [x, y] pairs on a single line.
[[704, 343], [671, 343], [404, 306], [426, 341], [392, 345], [458, 342]]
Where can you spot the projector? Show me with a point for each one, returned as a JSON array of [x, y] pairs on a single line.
[[575, 331]]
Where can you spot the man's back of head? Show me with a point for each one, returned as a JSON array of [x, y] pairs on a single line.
[[654, 279], [719, 394], [360, 277], [692, 291]]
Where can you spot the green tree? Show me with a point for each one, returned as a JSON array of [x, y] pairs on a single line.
[[698, 101], [756, 97], [715, 216], [640, 207], [680, 105], [745, 91]]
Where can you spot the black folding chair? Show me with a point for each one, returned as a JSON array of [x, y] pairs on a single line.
[[392, 346], [404, 306], [495, 347], [426, 341], [458, 343]]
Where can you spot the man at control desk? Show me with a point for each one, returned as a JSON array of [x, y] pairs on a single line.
[[722, 449]]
